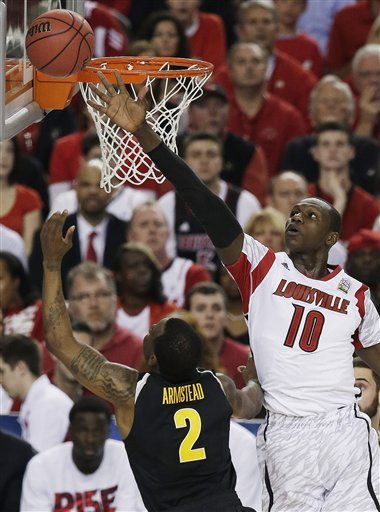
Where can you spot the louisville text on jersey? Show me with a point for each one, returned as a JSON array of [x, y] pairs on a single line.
[[303, 293]]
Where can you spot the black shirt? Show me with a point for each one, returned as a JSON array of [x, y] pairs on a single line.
[[178, 446]]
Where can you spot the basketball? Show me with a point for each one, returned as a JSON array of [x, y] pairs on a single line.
[[59, 42]]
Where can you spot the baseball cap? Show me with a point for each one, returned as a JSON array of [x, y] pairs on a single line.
[[364, 238], [210, 90]]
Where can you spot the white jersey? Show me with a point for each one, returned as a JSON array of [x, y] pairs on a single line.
[[303, 331], [174, 280], [52, 482]]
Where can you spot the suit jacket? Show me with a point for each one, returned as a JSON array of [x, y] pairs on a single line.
[[115, 236]]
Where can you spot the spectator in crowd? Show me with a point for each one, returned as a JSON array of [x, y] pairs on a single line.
[[15, 455], [166, 34], [374, 33], [236, 325], [61, 376], [20, 206], [67, 156], [289, 40], [44, 412], [285, 190], [363, 262], [349, 32], [207, 302], [174, 476], [286, 78], [268, 227], [332, 100], [149, 226], [366, 80], [203, 152], [255, 114], [369, 384], [10, 241], [205, 31], [333, 150], [19, 302], [316, 22], [110, 37], [141, 295], [92, 300], [244, 163], [97, 235], [89, 471]]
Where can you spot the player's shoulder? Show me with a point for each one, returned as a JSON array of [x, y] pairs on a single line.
[[52, 456], [114, 447]]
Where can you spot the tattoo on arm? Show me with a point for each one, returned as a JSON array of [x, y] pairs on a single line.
[[113, 382]]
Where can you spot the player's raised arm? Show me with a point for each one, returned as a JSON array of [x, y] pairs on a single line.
[[247, 402], [218, 221], [111, 381]]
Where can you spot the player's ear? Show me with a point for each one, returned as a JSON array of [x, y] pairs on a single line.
[[152, 361], [332, 238]]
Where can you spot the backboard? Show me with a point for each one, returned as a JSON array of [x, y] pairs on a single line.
[[17, 106]]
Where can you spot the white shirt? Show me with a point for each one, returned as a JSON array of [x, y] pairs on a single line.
[[44, 415], [99, 241], [121, 205], [138, 324], [244, 458], [10, 241], [174, 280], [303, 331], [246, 206], [53, 482]]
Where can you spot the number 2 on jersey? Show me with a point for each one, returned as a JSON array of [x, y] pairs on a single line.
[[186, 451], [311, 332]]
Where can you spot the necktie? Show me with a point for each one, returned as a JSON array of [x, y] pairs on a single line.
[[91, 254]]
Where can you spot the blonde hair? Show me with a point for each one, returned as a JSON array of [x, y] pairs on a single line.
[[266, 215]]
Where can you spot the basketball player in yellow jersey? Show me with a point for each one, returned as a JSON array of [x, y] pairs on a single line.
[[174, 420]]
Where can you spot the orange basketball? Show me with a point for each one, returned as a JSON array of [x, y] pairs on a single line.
[[59, 42]]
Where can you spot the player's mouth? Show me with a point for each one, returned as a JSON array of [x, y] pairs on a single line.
[[292, 229]]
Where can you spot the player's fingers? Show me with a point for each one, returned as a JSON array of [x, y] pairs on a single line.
[[97, 107], [108, 86], [120, 83], [100, 94], [143, 92], [69, 235]]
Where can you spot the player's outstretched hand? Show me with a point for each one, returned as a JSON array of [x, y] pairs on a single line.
[[123, 110], [54, 245], [249, 370]]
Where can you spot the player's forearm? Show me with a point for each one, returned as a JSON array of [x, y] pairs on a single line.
[[212, 213], [57, 327], [250, 401]]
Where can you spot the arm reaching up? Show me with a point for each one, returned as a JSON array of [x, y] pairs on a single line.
[[113, 382], [218, 221], [247, 402]]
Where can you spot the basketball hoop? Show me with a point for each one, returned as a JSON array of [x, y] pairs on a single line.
[[173, 83]]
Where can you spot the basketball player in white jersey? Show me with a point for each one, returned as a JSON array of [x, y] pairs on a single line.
[[317, 450]]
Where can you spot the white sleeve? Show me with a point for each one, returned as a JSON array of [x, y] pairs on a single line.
[[369, 329], [246, 206], [244, 459], [36, 496], [48, 426], [128, 496], [64, 201], [58, 188], [166, 203]]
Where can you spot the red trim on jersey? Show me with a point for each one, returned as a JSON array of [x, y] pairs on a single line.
[[332, 274], [360, 297], [262, 269]]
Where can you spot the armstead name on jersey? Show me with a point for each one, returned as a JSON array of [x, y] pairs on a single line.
[[180, 394]]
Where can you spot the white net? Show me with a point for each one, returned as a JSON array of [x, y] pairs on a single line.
[[123, 157]]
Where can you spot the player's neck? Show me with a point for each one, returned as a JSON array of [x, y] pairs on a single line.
[[86, 467], [310, 265], [287, 30]]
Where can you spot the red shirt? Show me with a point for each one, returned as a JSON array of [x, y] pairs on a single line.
[[348, 33], [124, 348], [289, 81], [110, 37], [361, 209], [304, 49], [66, 158], [232, 355], [25, 320], [271, 128], [209, 41], [27, 200]]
